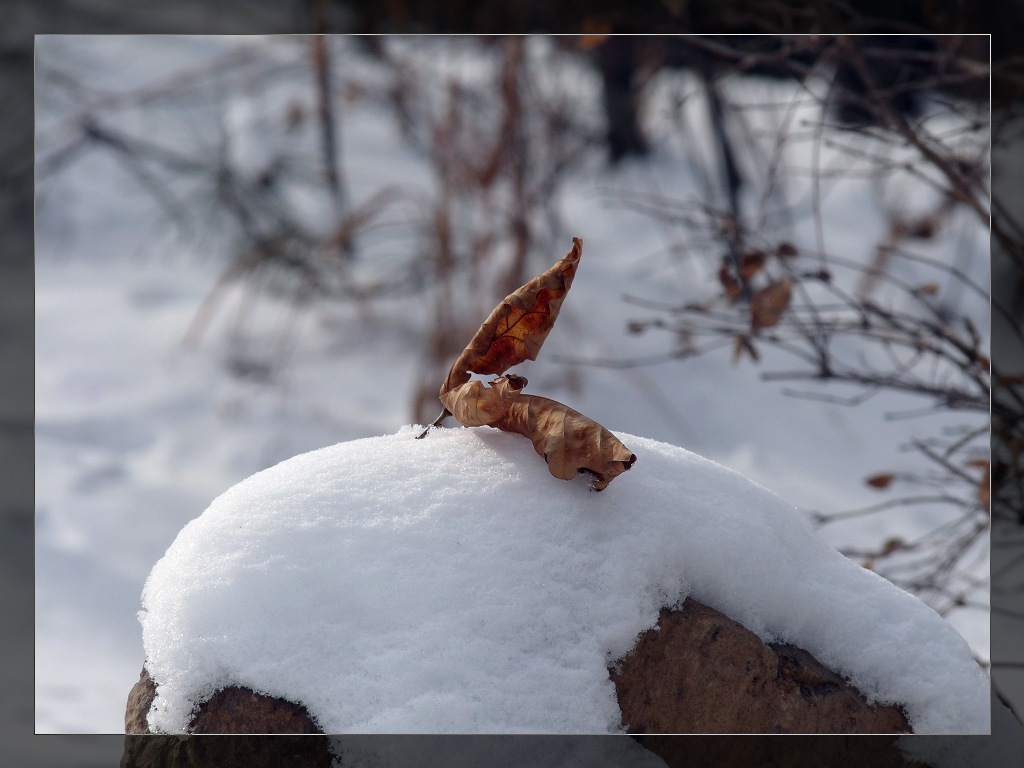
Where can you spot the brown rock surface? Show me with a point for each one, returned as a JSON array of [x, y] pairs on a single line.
[[699, 671], [230, 710], [139, 700], [239, 710]]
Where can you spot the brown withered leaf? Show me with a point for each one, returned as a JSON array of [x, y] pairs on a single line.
[[751, 263], [983, 481], [733, 289], [890, 546], [768, 304], [569, 442], [473, 404], [881, 481], [513, 333], [924, 228], [518, 326], [786, 250]]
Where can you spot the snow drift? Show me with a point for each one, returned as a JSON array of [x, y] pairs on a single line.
[[450, 584]]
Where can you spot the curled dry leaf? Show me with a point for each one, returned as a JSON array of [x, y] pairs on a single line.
[[513, 333], [518, 326], [768, 304], [569, 442], [474, 405]]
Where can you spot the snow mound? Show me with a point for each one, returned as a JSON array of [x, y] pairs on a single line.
[[450, 584]]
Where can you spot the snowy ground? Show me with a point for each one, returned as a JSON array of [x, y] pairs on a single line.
[[136, 433]]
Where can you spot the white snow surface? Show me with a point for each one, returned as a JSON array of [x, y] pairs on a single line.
[[451, 585]]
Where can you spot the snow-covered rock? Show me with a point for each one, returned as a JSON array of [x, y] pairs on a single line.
[[450, 584], [701, 672]]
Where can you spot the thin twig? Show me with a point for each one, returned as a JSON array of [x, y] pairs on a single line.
[[435, 423]]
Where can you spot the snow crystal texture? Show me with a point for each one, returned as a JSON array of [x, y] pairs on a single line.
[[451, 585]]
